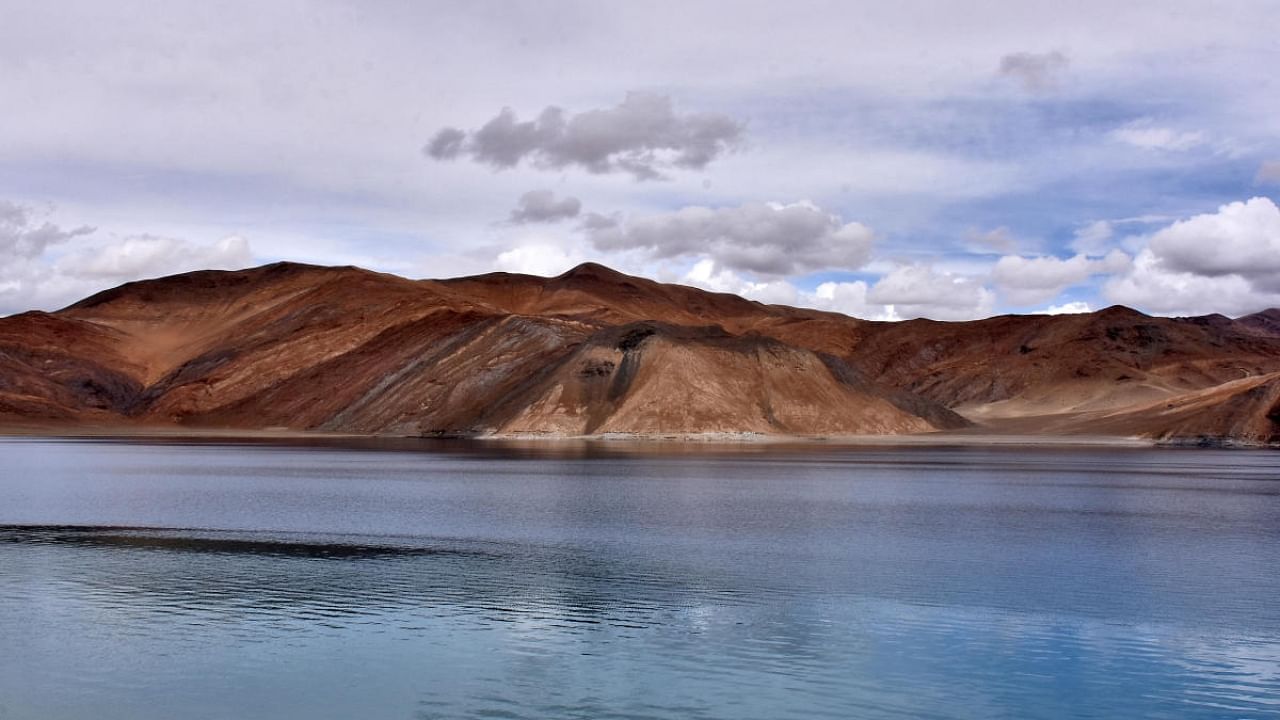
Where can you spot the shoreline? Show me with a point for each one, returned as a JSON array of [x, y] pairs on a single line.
[[954, 438], [746, 439], [918, 439]]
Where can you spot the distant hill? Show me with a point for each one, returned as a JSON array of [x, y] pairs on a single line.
[[595, 351]]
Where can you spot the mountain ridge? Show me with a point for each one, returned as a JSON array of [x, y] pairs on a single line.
[[595, 351]]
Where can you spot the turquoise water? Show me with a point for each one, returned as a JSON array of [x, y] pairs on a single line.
[[401, 580]]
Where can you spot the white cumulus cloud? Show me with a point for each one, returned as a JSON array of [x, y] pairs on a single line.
[[849, 298], [1029, 281], [537, 258], [1154, 288], [1240, 238], [1226, 261], [144, 256], [706, 275], [908, 291], [45, 266], [1070, 308], [919, 290]]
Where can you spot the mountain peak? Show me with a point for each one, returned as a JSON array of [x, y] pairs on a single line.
[[592, 271], [1121, 311]]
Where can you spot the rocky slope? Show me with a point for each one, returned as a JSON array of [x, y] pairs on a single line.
[[595, 351]]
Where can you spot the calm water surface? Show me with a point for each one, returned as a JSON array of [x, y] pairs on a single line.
[[185, 580]]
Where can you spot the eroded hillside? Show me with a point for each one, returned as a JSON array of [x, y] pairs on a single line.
[[594, 351]]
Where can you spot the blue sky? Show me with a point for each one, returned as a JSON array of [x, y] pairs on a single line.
[[888, 160]]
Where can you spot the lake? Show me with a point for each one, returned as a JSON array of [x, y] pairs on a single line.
[[397, 579]]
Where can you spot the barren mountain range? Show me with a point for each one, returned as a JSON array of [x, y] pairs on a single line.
[[596, 352]]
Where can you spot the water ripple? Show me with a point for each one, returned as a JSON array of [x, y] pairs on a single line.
[[848, 587]]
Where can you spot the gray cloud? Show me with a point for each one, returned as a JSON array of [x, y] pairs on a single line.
[[767, 239], [642, 136], [23, 237], [1036, 71], [541, 206], [446, 144], [239, 129], [594, 221], [26, 280]]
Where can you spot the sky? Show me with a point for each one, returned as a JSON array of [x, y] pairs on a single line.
[[888, 160]]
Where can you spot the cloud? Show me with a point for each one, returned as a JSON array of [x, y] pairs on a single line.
[[1093, 239], [537, 259], [301, 144], [909, 291], [1071, 308], [1036, 71], [1099, 237], [1145, 134], [446, 144], [768, 239], [1226, 261], [1154, 288], [593, 221], [541, 206], [642, 136], [1240, 238], [917, 290], [999, 240], [849, 298], [23, 237], [145, 256], [1028, 281], [1268, 173], [705, 274], [35, 275]]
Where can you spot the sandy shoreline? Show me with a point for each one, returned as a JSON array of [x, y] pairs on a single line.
[[141, 432], [963, 438], [969, 438], [922, 439]]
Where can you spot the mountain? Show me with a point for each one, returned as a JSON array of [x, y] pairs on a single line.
[[595, 351], [1266, 323]]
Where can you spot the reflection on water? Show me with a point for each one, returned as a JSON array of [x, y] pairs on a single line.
[[207, 580]]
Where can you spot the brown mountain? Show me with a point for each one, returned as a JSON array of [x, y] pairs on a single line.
[[594, 351]]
